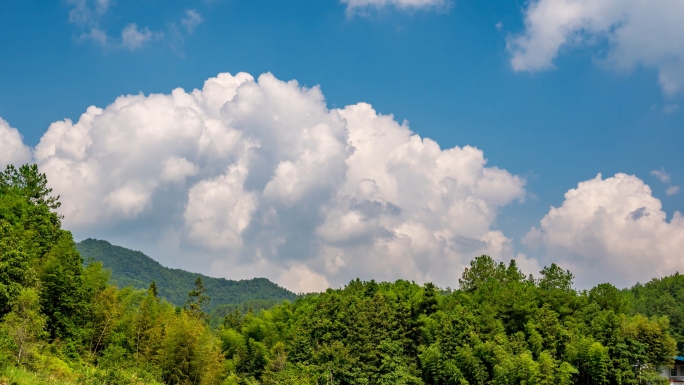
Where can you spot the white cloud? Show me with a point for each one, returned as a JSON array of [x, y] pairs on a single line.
[[670, 109], [133, 38], [191, 20], [672, 190], [12, 147], [527, 265], [661, 175], [178, 169], [300, 279], [219, 210], [87, 12], [129, 200], [97, 35], [612, 230], [261, 178], [638, 33], [356, 5]]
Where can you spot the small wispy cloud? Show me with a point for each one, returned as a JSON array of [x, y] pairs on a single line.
[[87, 12], [191, 20], [670, 109], [672, 190], [133, 38], [87, 15], [664, 177], [96, 35], [358, 6], [661, 175]]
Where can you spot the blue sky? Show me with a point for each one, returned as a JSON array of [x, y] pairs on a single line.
[[446, 69]]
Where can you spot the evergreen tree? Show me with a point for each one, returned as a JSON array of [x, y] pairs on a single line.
[[197, 299]]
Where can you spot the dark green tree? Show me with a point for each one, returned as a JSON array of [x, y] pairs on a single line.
[[197, 299], [31, 183]]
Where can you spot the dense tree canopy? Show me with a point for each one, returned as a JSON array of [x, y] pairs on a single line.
[[65, 322], [499, 328]]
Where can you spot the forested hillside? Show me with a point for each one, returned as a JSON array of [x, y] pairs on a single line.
[[664, 296], [133, 268], [63, 323]]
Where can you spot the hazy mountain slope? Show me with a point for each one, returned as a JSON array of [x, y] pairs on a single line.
[[133, 268]]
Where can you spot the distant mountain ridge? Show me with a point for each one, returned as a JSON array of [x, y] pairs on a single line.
[[133, 268]]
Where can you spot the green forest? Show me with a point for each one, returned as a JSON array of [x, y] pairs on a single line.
[[135, 269], [64, 322]]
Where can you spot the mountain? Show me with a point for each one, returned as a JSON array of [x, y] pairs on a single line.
[[133, 268]]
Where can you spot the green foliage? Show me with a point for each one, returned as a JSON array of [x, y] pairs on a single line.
[[64, 323], [24, 325], [500, 328], [188, 354], [133, 268], [31, 185], [197, 299], [663, 296], [15, 274], [62, 290], [219, 313]]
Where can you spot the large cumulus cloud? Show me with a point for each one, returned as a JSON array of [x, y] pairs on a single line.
[[12, 147], [612, 230], [245, 178], [638, 32]]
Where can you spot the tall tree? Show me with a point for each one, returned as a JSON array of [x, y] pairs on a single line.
[[197, 299], [31, 183]]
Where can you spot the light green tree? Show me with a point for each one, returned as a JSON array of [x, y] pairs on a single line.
[[25, 325]]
